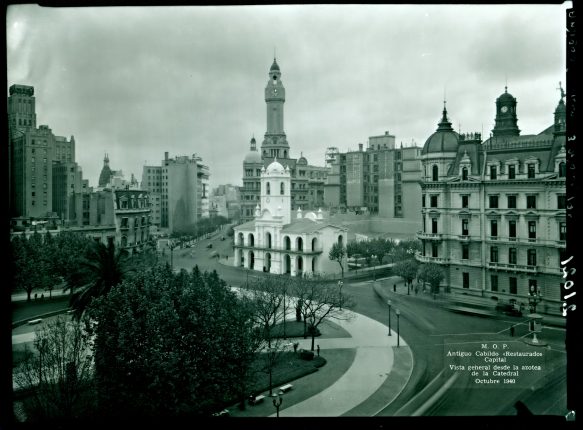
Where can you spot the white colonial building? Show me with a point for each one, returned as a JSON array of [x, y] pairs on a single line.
[[274, 242]]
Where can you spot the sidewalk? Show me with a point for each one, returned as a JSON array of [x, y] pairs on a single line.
[[370, 383]]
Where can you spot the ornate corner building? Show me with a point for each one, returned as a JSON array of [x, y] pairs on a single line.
[[307, 181], [494, 211]]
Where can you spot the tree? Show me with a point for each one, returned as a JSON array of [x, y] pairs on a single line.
[[69, 250], [406, 269], [57, 372], [31, 264], [433, 274], [338, 253], [104, 267], [353, 248], [320, 302], [267, 298], [171, 344]]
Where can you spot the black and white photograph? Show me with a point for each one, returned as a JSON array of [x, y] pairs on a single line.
[[272, 214]]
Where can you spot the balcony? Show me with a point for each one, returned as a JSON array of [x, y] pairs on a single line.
[[513, 267], [427, 259], [279, 250], [429, 236], [464, 237]]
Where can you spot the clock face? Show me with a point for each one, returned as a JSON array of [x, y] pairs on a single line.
[[504, 109]]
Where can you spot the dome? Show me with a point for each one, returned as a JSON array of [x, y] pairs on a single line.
[[302, 160], [274, 66], [253, 157], [444, 139], [275, 167], [506, 96]]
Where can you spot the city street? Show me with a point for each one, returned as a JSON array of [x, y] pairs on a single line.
[[427, 329]]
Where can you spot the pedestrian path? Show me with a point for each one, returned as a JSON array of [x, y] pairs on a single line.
[[372, 365]]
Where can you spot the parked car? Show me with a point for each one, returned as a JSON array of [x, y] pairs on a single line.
[[210, 245]]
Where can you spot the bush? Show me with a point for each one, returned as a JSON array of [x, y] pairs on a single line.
[[306, 355]]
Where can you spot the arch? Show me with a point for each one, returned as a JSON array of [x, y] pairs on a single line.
[[251, 260], [464, 174], [562, 169], [268, 188], [435, 172], [268, 262], [285, 153], [251, 240], [340, 239], [314, 243], [299, 265], [282, 188], [268, 240], [287, 243], [240, 240], [287, 264], [300, 244]]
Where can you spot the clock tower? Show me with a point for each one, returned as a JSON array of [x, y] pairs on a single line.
[[506, 120], [275, 142]]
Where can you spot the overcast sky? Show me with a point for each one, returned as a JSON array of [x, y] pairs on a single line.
[[137, 81]]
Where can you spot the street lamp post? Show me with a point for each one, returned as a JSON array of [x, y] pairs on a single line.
[[277, 403], [340, 284], [389, 303], [398, 332]]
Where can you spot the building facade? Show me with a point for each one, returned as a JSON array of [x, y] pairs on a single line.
[[307, 181], [34, 154], [274, 242], [382, 180], [494, 211], [180, 191]]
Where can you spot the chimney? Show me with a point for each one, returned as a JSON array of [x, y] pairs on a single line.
[[166, 155], [360, 147]]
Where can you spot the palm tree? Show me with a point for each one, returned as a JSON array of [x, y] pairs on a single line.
[[103, 267]]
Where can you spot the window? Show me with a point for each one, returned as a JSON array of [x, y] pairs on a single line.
[[281, 188], [532, 229], [531, 202], [512, 228], [511, 171], [563, 231], [434, 225], [435, 172], [494, 228], [464, 173], [268, 186], [530, 171], [494, 282], [465, 201], [512, 281], [465, 252], [466, 279], [434, 249], [511, 202], [561, 201], [423, 201], [532, 287], [493, 172], [562, 169], [493, 202], [494, 254], [512, 256], [531, 257], [465, 227], [433, 201]]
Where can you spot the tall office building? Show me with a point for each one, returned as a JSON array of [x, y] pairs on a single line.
[[494, 211], [381, 180], [180, 191], [34, 154], [307, 181]]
